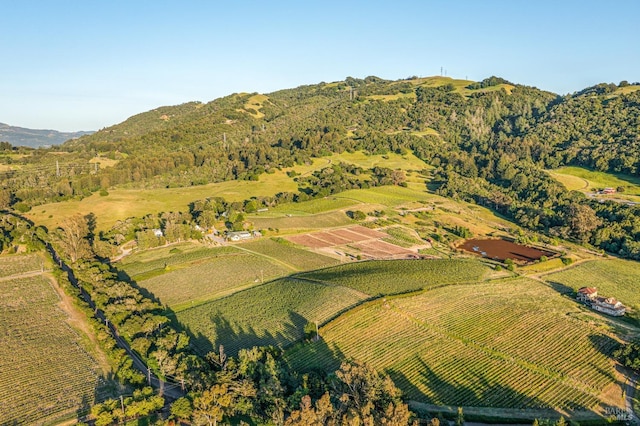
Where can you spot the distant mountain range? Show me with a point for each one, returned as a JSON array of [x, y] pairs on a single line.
[[20, 136]]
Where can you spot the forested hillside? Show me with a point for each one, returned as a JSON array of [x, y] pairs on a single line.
[[490, 142]]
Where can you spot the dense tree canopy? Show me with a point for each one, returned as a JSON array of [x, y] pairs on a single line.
[[490, 142]]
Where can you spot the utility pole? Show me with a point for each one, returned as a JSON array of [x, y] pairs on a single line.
[[224, 137], [317, 332], [440, 71], [122, 403], [57, 169]]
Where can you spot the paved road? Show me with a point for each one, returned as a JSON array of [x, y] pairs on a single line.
[[629, 394], [171, 391]]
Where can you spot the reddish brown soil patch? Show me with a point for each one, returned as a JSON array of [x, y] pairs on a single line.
[[309, 240], [332, 238], [365, 241], [380, 249], [351, 236], [503, 249], [368, 232]]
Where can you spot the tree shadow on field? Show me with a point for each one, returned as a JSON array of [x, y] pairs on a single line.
[[235, 336], [315, 356], [124, 276], [561, 288], [606, 345], [106, 387], [215, 329], [430, 387]]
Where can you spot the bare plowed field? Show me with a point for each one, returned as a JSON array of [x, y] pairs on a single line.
[[355, 240]]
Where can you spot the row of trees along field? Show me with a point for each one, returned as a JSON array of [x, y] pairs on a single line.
[[489, 146], [257, 386], [208, 212]]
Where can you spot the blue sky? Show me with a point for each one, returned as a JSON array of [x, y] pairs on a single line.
[[87, 64]]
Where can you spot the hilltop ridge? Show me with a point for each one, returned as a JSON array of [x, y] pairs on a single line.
[[35, 138], [490, 142]]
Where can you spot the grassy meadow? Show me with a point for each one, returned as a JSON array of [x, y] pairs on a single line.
[[315, 206], [295, 223], [122, 203], [255, 103], [459, 86], [477, 345], [585, 180], [388, 196]]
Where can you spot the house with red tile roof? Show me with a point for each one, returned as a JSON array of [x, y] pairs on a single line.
[[608, 305]]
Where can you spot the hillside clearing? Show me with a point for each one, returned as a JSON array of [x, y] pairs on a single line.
[[581, 179]]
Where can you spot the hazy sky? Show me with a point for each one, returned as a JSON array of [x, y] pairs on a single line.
[[88, 64]]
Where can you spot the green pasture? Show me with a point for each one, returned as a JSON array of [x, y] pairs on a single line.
[[581, 179], [294, 223], [315, 206], [390, 196], [406, 161], [122, 203]]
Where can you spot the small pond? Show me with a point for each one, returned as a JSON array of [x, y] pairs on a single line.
[[497, 249]]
